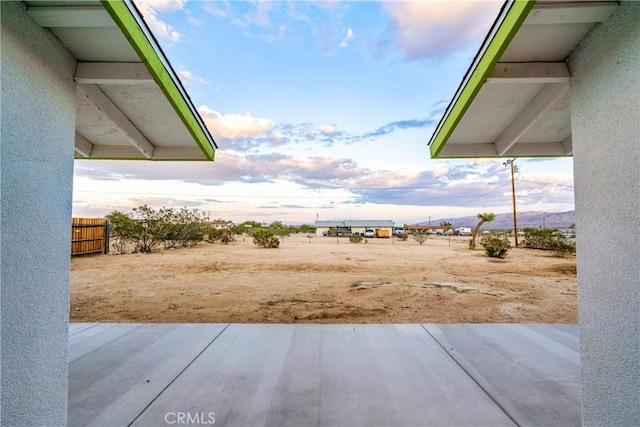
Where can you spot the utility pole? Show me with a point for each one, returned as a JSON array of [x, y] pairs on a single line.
[[513, 195]]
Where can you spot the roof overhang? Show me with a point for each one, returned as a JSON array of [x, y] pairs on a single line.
[[130, 102], [514, 99]]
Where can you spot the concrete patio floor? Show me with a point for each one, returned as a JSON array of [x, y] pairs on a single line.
[[324, 375]]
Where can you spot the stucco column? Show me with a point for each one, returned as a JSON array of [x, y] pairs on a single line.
[[38, 127], [605, 122]]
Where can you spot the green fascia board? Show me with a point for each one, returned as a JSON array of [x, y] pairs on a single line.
[[510, 25], [131, 29], [509, 156]]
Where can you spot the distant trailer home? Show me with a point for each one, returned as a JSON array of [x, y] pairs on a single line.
[[428, 229], [349, 227], [221, 225]]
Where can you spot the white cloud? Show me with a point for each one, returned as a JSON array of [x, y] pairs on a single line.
[[441, 169], [550, 179], [327, 130], [194, 21], [349, 36], [426, 28], [215, 8], [485, 161], [163, 5], [235, 125], [149, 10], [187, 76], [260, 16]]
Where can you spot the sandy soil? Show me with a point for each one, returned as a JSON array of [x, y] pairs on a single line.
[[319, 281]]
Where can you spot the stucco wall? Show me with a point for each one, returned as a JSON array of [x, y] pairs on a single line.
[[605, 122], [38, 127]]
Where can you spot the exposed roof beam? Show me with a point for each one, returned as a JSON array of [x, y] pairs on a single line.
[[71, 16], [101, 73], [530, 72], [567, 144], [540, 104], [142, 40], [104, 104], [502, 32], [530, 149], [83, 147], [160, 153], [571, 12]]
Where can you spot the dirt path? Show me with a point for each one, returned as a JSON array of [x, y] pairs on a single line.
[[318, 281]]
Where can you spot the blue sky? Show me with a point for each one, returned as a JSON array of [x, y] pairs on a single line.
[[322, 109]]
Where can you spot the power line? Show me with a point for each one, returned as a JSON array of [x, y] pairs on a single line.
[[542, 183], [254, 196], [470, 201]]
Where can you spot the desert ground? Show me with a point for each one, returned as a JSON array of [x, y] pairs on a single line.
[[325, 280]]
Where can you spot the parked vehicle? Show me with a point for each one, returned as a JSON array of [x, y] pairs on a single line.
[[398, 231], [462, 231], [382, 233], [369, 233]]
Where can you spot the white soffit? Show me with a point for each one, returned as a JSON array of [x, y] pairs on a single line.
[[514, 100], [122, 110]]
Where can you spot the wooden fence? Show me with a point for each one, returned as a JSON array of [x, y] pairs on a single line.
[[89, 236]]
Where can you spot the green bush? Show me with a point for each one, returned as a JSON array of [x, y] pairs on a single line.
[[223, 236], [420, 238], [212, 234], [548, 240], [561, 247], [495, 246], [147, 228], [540, 239], [265, 238], [356, 238], [227, 236], [121, 228]]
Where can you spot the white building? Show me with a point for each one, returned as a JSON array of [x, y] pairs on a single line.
[[221, 224], [352, 226]]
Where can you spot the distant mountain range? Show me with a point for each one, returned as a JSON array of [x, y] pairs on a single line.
[[525, 219]]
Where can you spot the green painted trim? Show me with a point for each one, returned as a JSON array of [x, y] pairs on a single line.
[[177, 159], [498, 44], [528, 156], [129, 26]]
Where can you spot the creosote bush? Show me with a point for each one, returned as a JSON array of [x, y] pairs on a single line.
[[562, 247], [228, 236], [548, 240], [147, 228], [224, 236], [356, 238], [420, 238], [266, 238], [495, 246]]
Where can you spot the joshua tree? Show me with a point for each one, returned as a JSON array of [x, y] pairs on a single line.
[[447, 226], [483, 217]]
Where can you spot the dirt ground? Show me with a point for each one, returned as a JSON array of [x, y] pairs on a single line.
[[316, 280]]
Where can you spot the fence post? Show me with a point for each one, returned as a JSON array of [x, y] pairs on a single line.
[[107, 236]]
